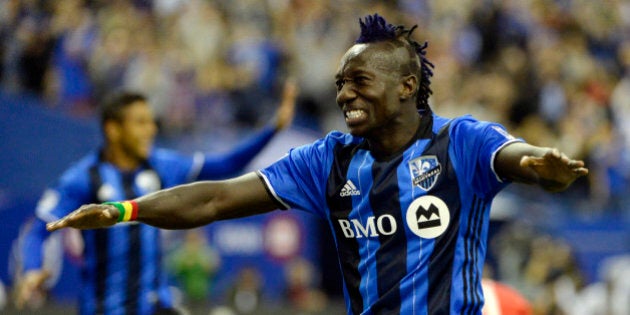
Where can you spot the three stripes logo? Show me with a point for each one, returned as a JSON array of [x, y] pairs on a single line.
[[349, 189]]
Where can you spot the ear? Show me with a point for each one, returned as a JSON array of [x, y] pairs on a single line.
[[111, 128], [408, 87]]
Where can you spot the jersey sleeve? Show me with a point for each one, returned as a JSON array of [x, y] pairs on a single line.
[[298, 180], [71, 191], [175, 168], [226, 164], [474, 148]]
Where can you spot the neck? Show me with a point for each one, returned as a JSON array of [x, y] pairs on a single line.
[[395, 139], [117, 157]]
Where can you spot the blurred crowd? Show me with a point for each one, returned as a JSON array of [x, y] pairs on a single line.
[[555, 72]]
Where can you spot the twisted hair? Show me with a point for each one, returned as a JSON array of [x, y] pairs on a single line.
[[374, 28]]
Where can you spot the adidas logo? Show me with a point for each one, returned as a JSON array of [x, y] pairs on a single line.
[[349, 190]]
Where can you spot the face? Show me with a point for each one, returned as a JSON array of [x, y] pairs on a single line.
[[135, 133], [369, 88]]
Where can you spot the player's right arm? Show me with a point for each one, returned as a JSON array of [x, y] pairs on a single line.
[[183, 207], [72, 189], [31, 276], [31, 273], [30, 287]]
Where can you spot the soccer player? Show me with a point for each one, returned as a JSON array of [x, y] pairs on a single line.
[[406, 193], [121, 271]]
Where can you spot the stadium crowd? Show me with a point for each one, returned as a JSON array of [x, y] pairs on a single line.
[[540, 67]]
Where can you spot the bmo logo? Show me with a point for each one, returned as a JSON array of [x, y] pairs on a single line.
[[374, 226], [428, 216]]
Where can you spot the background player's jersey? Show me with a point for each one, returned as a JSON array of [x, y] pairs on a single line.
[[121, 265], [430, 201]]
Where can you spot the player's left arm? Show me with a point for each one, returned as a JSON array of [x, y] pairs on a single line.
[[548, 167], [229, 163]]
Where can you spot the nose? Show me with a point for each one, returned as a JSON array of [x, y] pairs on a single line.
[[345, 94]]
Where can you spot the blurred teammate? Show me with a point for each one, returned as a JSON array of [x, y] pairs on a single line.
[[121, 271], [407, 193]]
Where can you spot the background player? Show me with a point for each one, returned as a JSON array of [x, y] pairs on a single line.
[[121, 271]]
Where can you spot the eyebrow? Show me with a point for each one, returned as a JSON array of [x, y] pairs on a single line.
[[353, 72]]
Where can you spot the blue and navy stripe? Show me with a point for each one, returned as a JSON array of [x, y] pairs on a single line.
[[380, 287], [123, 267]]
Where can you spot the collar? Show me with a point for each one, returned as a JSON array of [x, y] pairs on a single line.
[[424, 131]]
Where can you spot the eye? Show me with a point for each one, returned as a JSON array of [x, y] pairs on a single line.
[[339, 83], [361, 80]]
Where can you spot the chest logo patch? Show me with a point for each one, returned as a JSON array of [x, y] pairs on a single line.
[[428, 216], [425, 171]]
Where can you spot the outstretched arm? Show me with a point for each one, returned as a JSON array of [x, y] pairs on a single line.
[[547, 167], [227, 164], [182, 207]]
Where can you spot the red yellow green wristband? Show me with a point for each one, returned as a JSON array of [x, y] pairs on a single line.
[[127, 210]]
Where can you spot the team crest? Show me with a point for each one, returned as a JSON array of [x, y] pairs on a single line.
[[425, 171]]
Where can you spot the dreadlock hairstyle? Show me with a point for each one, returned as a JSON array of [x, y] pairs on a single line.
[[374, 28]]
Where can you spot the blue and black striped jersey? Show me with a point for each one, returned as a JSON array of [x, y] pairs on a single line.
[[410, 230], [121, 266], [121, 271]]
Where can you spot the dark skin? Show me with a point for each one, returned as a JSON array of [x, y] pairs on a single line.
[[377, 97]]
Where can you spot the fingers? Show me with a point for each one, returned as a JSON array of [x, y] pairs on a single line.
[[555, 160], [31, 284], [56, 225], [61, 223], [529, 161], [286, 111], [290, 89], [23, 293], [87, 217], [581, 171], [553, 156], [576, 163]]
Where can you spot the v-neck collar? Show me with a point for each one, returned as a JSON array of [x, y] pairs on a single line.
[[424, 131]]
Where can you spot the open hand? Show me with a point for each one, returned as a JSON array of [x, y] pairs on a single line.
[[286, 111], [554, 169], [29, 289], [90, 216]]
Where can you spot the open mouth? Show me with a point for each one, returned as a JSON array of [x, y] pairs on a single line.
[[355, 116]]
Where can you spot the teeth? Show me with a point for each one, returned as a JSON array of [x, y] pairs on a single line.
[[354, 113]]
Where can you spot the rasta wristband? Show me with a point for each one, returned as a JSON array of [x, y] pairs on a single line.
[[127, 210]]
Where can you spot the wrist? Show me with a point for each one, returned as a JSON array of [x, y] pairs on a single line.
[[127, 210]]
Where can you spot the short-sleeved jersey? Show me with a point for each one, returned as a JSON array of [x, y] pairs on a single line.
[[121, 268], [121, 271], [410, 230]]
